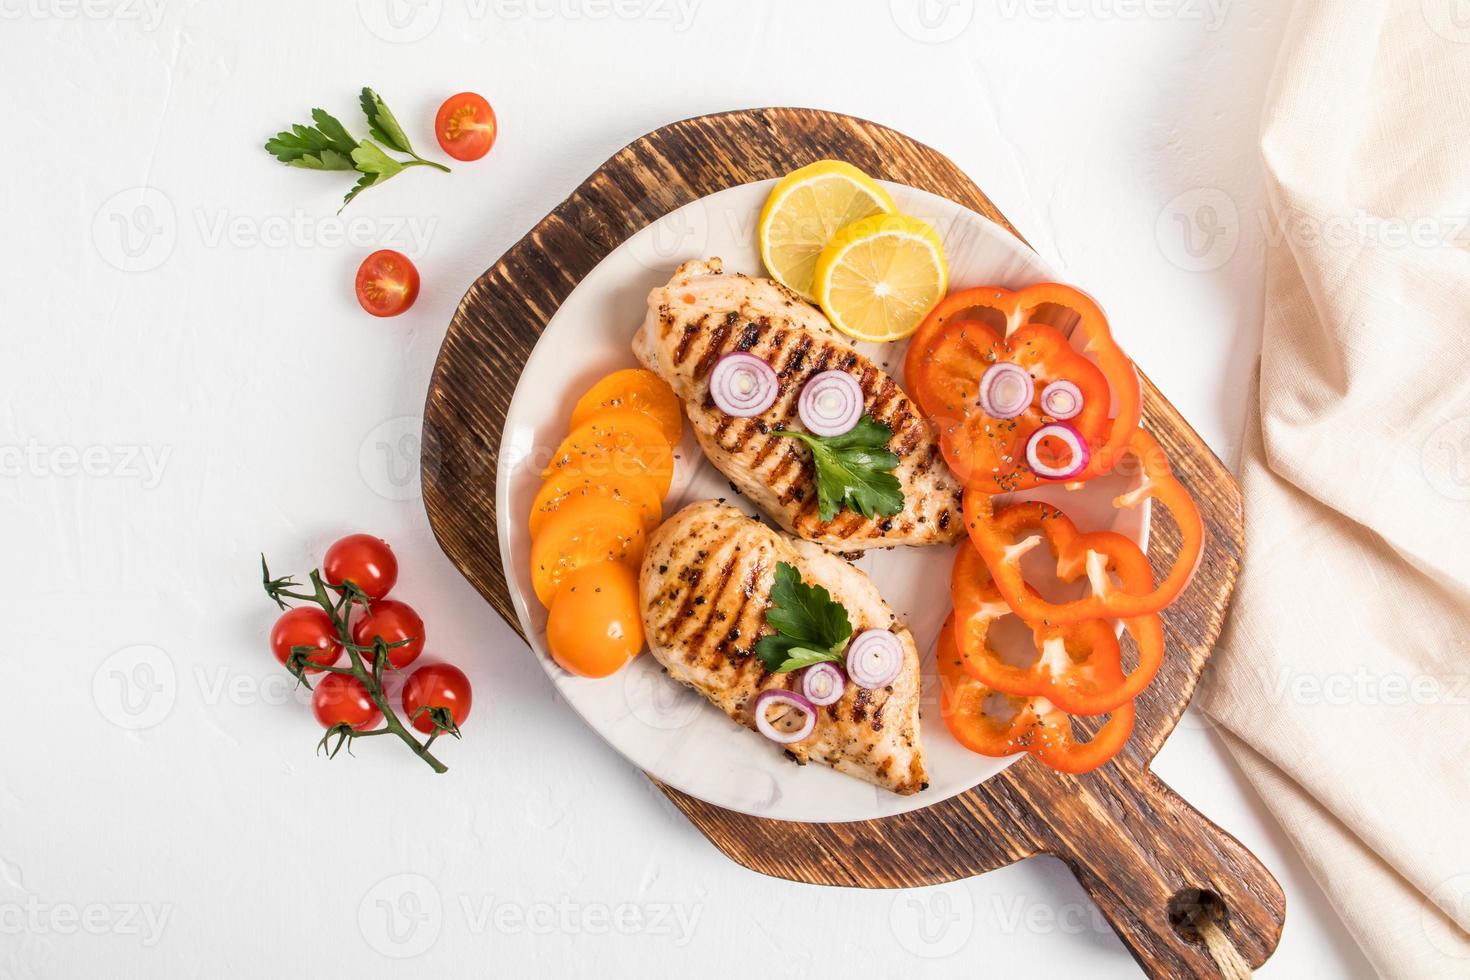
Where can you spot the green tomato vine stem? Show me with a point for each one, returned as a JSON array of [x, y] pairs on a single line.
[[371, 678]]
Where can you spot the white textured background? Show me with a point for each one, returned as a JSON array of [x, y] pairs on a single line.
[[187, 381]]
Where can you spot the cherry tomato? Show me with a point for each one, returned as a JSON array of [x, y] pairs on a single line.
[[595, 625], [387, 283], [465, 126], [306, 626], [393, 621], [365, 561], [341, 699], [436, 686]]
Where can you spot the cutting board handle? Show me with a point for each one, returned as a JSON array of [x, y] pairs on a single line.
[[1155, 866]]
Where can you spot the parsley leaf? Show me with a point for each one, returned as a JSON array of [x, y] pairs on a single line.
[[382, 124], [811, 626], [855, 470], [327, 145]]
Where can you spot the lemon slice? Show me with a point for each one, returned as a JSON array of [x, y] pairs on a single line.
[[879, 277], [806, 209]]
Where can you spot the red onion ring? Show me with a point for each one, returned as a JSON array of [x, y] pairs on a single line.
[[874, 659], [823, 684], [1081, 455], [743, 385], [1061, 400], [1005, 390], [830, 404], [791, 699]]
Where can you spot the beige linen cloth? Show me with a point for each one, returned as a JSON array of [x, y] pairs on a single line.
[[1342, 675]]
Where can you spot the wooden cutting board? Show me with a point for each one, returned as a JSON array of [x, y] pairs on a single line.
[[1144, 855]]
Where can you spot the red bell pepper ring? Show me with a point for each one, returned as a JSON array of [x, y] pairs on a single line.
[[1001, 538], [998, 725], [1079, 666], [973, 328]]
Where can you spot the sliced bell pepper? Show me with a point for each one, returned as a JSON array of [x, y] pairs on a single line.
[[1160, 483], [975, 328], [998, 725], [1079, 666], [1100, 555]]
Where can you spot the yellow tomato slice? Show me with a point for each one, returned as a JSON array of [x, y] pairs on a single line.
[[587, 530], [570, 483], [618, 442], [639, 390], [596, 625]]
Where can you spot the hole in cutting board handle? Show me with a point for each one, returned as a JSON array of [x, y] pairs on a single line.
[[1189, 905]]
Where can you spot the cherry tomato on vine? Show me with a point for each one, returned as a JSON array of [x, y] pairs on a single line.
[[364, 560], [436, 686], [341, 699], [393, 621], [306, 626], [465, 126], [387, 283]]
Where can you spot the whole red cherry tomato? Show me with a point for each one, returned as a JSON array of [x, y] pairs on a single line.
[[436, 686], [306, 626], [393, 621], [341, 699], [364, 560]]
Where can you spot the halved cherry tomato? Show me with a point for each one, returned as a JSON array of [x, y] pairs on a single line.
[[640, 390], [596, 624], [436, 686], [587, 530], [569, 484], [387, 283], [465, 126], [306, 626], [341, 699], [617, 442], [998, 725], [393, 621], [364, 560]]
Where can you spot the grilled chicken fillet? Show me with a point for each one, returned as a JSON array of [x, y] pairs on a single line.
[[704, 313], [705, 587]]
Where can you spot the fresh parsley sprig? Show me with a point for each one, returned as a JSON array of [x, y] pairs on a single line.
[[810, 626], [855, 470], [327, 145]]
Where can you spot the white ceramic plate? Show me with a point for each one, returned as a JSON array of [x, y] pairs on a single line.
[[660, 726]]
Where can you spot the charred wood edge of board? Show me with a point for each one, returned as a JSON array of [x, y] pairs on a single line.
[[1129, 839]]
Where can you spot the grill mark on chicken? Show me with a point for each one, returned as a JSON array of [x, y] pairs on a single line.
[[702, 631], [715, 350]]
